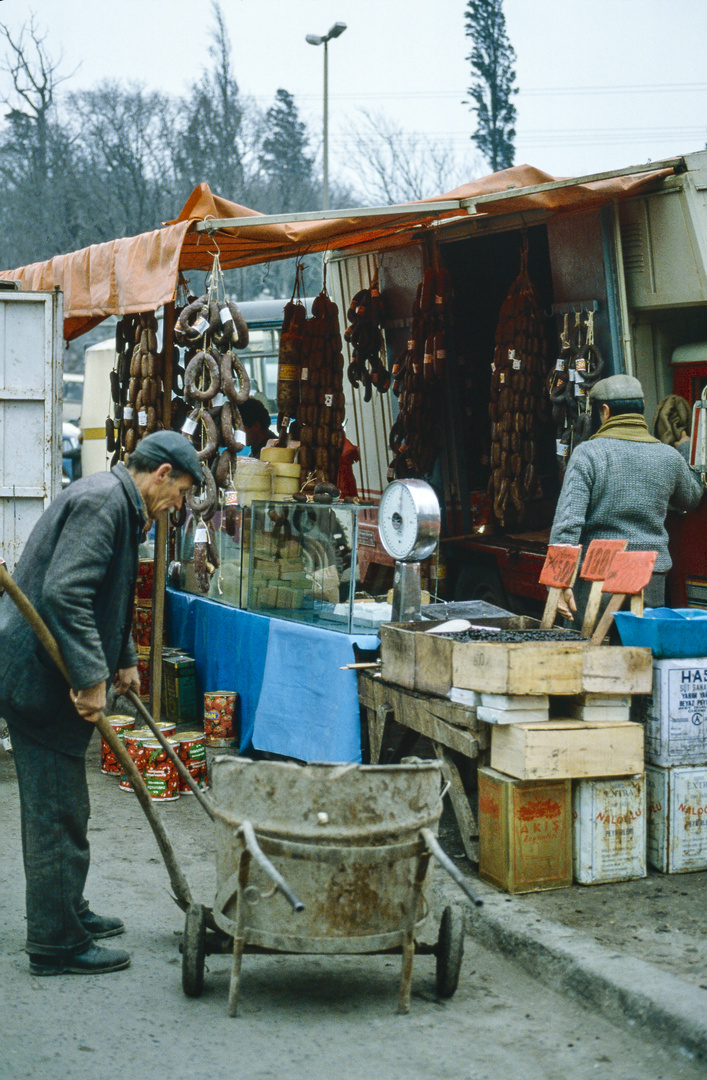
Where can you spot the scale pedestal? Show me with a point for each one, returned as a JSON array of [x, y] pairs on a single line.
[[407, 593]]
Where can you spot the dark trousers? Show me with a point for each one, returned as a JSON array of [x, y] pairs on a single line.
[[55, 809]]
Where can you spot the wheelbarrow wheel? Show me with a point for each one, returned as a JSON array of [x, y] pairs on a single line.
[[450, 950], [193, 950]]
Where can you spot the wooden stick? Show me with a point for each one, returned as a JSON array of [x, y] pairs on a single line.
[[361, 666], [607, 618], [551, 604], [637, 604], [592, 609]]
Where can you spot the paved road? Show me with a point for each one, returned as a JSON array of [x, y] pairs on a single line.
[[315, 1018]]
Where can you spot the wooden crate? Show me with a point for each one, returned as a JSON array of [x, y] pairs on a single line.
[[418, 660], [525, 832], [567, 748]]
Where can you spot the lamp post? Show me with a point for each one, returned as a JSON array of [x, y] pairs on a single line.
[[315, 39]]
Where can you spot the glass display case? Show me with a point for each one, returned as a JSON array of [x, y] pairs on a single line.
[[304, 564], [230, 538], [308, 562]]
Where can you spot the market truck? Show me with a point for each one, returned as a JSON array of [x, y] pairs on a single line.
[[30, 412], [618, 287]]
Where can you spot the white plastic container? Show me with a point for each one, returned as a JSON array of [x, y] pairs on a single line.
[[609, 822], [677, 818], [676, 724]]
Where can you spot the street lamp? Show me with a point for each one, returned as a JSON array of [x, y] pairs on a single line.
[[314, 39]]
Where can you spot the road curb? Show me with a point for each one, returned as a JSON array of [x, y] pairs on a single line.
[[630, 993]]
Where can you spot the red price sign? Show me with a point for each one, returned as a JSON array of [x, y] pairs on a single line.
[[629, 572], [598, 557], [560, 566]]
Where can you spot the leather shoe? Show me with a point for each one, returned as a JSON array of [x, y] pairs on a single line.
[[101, 926], [95, 960]]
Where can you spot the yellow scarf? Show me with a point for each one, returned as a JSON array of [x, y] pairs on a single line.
[[628, 426]]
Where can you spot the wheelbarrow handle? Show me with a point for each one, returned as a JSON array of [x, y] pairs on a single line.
[[248, 833], [443, 859], [179, 883]]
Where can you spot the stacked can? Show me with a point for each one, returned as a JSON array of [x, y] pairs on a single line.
[[109, 762], [135, 742], [161, 776], [193, 756]]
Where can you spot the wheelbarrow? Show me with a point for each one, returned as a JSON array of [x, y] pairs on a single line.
[[357, 841]]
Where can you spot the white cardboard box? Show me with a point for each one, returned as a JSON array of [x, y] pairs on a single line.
[[677, 818], [676, 722], [512, 716], [609, 824]]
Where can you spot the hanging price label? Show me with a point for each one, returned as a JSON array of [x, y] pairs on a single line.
[[189, 426], [516, 363], [128, 412], [201, 535], [142, 418], [329, 400]]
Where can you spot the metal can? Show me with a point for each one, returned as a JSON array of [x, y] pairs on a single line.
[[219, 714], [161, 776], [109, 762], [135, 745], [193, 756]]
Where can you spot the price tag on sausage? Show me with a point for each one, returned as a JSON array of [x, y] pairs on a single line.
[[128, 412], [560, 567], [561, 363], [516, 363], [142, 418], [598, 557], [201, 535], [629, 572], [305, 374], [189, 426], [329, 400]]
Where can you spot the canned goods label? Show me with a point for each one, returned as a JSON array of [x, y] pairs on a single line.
[[162, 784]]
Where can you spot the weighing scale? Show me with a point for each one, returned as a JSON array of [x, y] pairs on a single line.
[[409, 526]]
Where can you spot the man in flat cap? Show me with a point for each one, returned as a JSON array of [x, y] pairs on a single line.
[[618, 485], [79, 569]]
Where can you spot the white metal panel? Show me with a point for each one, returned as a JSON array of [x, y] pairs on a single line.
[[97, 404], [30, 413]]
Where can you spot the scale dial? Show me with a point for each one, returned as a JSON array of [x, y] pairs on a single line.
[[409, 520]]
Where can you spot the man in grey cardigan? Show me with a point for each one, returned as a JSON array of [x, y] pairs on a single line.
[[618, 485], [78, 569]]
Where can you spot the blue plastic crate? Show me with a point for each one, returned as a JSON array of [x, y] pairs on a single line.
[[671, 633]]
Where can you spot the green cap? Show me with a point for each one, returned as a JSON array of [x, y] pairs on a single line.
[[169, 447]]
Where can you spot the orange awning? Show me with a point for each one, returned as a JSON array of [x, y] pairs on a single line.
[[140, 273]]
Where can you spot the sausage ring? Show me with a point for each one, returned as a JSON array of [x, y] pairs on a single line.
[[193, 368], [211, 445], [205, 506], [230, 365], [229, 436]]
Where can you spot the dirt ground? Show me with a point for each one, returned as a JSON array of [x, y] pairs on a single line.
[[299, 1017]]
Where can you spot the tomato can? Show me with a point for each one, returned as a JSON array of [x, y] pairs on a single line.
[[135, 745], [161, 776], [219, 714], [109, 762], [193, 756]]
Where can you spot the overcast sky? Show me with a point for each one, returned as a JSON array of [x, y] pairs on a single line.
[[603, 83]]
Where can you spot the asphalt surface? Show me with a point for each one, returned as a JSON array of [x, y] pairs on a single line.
[[579, 982]]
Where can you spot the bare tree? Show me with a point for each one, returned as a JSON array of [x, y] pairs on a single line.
[[395, 166]]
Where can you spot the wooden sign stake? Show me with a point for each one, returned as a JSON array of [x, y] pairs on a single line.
[[628, 575], [607, 618], [595, 568]]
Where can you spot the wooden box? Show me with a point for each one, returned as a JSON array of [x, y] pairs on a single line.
[[567, 748], [525, 832], [419, 660]]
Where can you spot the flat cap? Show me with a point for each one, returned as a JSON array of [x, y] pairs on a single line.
[[172, 448], [617, 388]]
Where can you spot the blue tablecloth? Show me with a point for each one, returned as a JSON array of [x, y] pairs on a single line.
[[294, 699]]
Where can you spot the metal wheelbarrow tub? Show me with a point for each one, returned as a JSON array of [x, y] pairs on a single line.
[[354, 845]]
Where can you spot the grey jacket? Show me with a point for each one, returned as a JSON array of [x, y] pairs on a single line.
[[619, 489], [79, 569]]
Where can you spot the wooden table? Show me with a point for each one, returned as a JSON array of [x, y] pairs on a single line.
[[448, 726]]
